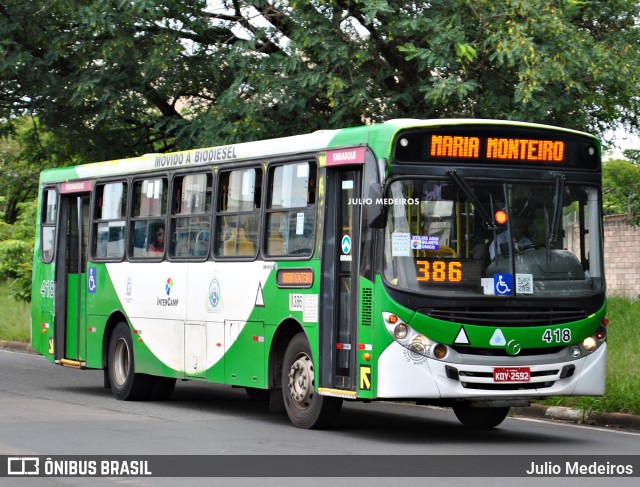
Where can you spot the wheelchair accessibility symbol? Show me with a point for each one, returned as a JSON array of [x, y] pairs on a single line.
[[503, 284], [92, 280]]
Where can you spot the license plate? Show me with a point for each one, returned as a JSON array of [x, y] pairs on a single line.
[[511, 374]]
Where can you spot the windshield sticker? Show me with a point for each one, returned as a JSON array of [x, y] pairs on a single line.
[[487, 285], [524, 283], [425, 242], [401, 244], [503, 284], [300, 223]]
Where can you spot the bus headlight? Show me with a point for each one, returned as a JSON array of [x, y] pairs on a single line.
[[412, 340], [575, 351], [400, 331], [590, 344]]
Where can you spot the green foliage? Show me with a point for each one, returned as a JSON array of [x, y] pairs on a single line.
[[623, 363], [26, 148], [16, 252], [118, 78], [621, 189], [632, 155], [15, 317]]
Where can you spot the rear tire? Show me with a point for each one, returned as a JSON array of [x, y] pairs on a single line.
[[126, 385], [305, 408], [480, 418]]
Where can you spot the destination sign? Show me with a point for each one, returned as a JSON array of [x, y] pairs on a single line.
[[295, 278], [497, 148], [495, 144]]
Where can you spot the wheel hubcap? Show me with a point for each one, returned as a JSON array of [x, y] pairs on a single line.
[[121, 361], [301, 381]]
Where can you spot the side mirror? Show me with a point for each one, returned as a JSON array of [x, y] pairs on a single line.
[[376, 211]]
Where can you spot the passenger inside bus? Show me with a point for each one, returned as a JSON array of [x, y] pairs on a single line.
[[156, 244], [520, 219]]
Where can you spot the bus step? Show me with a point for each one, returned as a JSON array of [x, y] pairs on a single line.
[[74, 364]]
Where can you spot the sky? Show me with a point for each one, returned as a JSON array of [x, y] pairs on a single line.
[[622, 140]]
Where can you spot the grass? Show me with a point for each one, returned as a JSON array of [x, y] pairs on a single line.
[[15, 324], [622, 393], [623, 363]]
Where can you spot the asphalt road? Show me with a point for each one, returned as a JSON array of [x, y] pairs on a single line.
[[51, 410]]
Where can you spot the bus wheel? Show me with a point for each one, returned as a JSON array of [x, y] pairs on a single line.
[[125, 384], [305, 408], [480, 418]]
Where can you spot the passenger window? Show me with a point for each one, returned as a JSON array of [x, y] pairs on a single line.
[[148, 220], [191, 216], [109, 220], [291, 210], [238, 213], [49, 216]]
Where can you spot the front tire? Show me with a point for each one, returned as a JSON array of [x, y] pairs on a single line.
[[480, 418], [305, 408], [126, 385]]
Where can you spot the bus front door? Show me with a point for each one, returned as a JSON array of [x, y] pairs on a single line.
[[338, 342], [71, 280]]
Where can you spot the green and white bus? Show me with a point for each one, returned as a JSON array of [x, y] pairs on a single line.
[[450, 262]]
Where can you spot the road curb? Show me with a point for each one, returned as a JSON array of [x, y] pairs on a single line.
[[17, 346], [609, 420]]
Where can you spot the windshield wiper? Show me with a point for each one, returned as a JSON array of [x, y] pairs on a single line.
[[468, 192], [553, 233], [557, 208]]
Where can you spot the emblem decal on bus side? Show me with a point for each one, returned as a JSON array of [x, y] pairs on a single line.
[[214, 301]]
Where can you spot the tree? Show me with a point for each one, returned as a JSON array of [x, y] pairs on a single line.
[[621, 189], [16, 252], [632, 155], [122, 77], [25, 150]]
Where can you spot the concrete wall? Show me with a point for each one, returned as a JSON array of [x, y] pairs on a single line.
[[622, 257]]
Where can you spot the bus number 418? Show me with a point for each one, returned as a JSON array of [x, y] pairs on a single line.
[[557, 336]]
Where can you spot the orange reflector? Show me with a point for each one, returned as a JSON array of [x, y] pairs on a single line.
[[605, 321], [393, 319], [440, 351], [501, 217], [367, 357]]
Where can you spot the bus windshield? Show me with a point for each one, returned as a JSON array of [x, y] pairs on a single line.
[[478, 237]]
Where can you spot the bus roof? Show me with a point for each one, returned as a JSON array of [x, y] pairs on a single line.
[[377, 136]]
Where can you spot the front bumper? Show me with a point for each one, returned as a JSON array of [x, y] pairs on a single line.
[[402, 375]]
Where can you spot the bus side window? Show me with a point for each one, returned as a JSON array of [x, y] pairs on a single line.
[[290, 224], [148, 222], [49, 214], [237, 213], [190, 218], [109, 220]]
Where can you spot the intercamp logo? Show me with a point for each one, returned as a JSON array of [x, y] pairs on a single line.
[[23, 466]]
